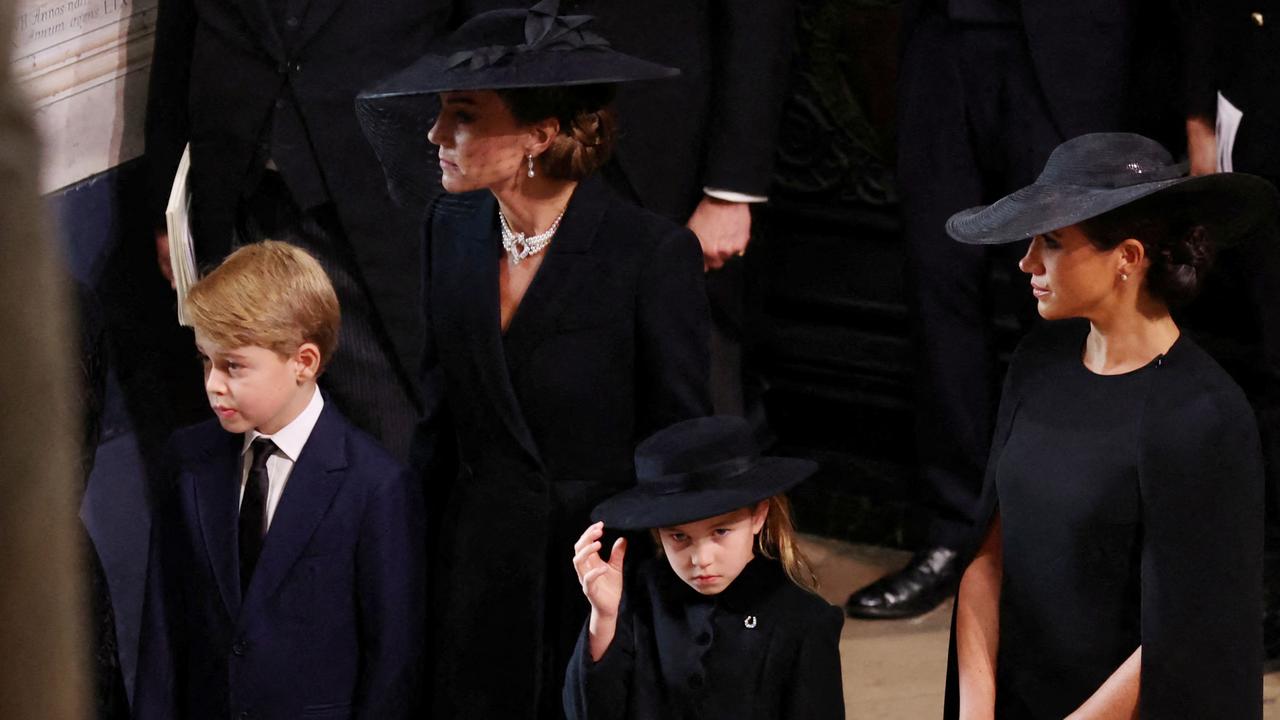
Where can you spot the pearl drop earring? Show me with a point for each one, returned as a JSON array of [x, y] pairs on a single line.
[[530, 156]]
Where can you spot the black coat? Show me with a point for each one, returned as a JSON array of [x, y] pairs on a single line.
[[220, 71], [714, 126], [608, 345], [764, 649]]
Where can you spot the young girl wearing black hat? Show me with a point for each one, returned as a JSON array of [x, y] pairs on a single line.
[[727, 625]]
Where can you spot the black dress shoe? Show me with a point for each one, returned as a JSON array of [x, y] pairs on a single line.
[[931, 577]]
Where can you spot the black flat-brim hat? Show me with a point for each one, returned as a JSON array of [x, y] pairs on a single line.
[[1092, 174], [496, 50], [698, 469]]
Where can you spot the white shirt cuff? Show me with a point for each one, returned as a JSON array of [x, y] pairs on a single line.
[[731, 196]]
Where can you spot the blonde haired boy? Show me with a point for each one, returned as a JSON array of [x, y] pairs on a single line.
[[286, 575]]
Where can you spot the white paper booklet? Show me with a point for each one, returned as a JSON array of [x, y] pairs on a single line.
[[1228, 123], [182, 254]]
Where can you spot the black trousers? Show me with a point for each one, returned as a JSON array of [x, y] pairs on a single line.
[[364, 378], [973, 125]]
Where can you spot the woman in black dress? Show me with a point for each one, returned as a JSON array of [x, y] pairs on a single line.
[[563, 325], [1119, 568]]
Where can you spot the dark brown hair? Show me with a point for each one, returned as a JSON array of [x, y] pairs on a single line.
[[1180, 249], [588, 127]]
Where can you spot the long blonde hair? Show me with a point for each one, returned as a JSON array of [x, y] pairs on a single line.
[[777, 541]]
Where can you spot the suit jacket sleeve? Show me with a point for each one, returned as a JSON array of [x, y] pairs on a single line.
[[390, 581], [601, 690], [753, 41], [160, 647], [817, 689], [167, 127], [1198, 34], [673, 331], [1201, 483]]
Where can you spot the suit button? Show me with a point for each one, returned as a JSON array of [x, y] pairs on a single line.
[[245, 715], [280, 104], [695, 681], [703, 638], [292, 22], [297, 68], [239, 648]]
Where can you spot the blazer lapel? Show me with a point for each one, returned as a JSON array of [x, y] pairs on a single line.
[[216, 488], [258, 16], [317, 13], [567, 264], [470, 276], [314, 480]]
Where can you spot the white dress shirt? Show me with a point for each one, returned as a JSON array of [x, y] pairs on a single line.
[[289, 443]]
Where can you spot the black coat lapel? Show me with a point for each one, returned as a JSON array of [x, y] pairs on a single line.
[[468, 277], [216, 487], [313, 482], [567, 264], [317, 13], [258, 16]]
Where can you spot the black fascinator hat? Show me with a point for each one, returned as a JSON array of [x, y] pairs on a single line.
[[496, 50], [1089, 175], [698, 469]]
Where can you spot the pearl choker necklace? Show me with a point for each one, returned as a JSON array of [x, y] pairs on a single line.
[[518, 246]]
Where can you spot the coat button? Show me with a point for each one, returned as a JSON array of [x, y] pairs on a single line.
[[297, 68], [695, 681], [280, 104], [245, 715], [293, 22], [239, 648], [703, 638]]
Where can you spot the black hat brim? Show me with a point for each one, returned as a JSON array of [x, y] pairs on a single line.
[[1230, 205], [639, 508]]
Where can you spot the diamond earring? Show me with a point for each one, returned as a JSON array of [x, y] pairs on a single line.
[[530, 156]]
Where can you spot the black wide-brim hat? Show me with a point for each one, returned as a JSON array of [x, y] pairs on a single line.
[[698, 469], [496, 50], [1092, 174]]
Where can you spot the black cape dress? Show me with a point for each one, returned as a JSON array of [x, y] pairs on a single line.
[[1131, 511]]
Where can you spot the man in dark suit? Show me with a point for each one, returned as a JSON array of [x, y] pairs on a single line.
[[987, 89], [263, 91], [286, 576], [699, 148]]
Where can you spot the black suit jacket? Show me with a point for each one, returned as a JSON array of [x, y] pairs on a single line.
[[764, 649], [608, 345], [220, 71], [714, 126], [1083, 56], [331, 622], [1227, 51]]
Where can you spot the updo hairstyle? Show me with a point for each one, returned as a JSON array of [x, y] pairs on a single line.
[[1181, 250], [588, 126]]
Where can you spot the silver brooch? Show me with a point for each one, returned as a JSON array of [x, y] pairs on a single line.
[[750, 622]]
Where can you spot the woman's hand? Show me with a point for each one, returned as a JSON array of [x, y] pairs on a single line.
[[602, 584]]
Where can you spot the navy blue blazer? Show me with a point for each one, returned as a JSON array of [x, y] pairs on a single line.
[[331, 624]]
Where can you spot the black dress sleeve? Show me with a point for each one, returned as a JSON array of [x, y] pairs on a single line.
[[673, 324], [1198, 34], [433, 450], [1201, 483], [817, 688], [601, 690]]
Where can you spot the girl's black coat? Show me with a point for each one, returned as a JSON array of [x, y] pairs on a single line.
[[525, 432], [764, 649]]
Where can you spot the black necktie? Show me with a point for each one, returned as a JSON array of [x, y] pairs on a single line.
[[253, 511]]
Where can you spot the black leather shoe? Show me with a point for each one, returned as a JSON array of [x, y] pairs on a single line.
[[929, 578]]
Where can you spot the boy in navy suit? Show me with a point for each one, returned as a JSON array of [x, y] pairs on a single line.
[[286, 576]]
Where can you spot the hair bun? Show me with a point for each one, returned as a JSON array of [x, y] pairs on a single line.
[[1179, 268]]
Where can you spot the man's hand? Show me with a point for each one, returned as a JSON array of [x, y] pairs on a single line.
[[162, 256], [723, 228], [1202, 146]]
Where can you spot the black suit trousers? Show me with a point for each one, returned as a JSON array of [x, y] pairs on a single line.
[[363, 377], [973, 126]]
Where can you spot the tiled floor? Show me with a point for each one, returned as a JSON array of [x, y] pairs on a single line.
[[894, 670]]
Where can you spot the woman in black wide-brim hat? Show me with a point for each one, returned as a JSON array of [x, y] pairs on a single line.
[[726, 623], [563, 325], [1116, 571]]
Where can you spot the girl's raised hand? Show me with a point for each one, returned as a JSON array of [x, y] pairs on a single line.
[[601, 581]]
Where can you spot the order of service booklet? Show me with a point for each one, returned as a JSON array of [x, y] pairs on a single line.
[[182, 255]]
